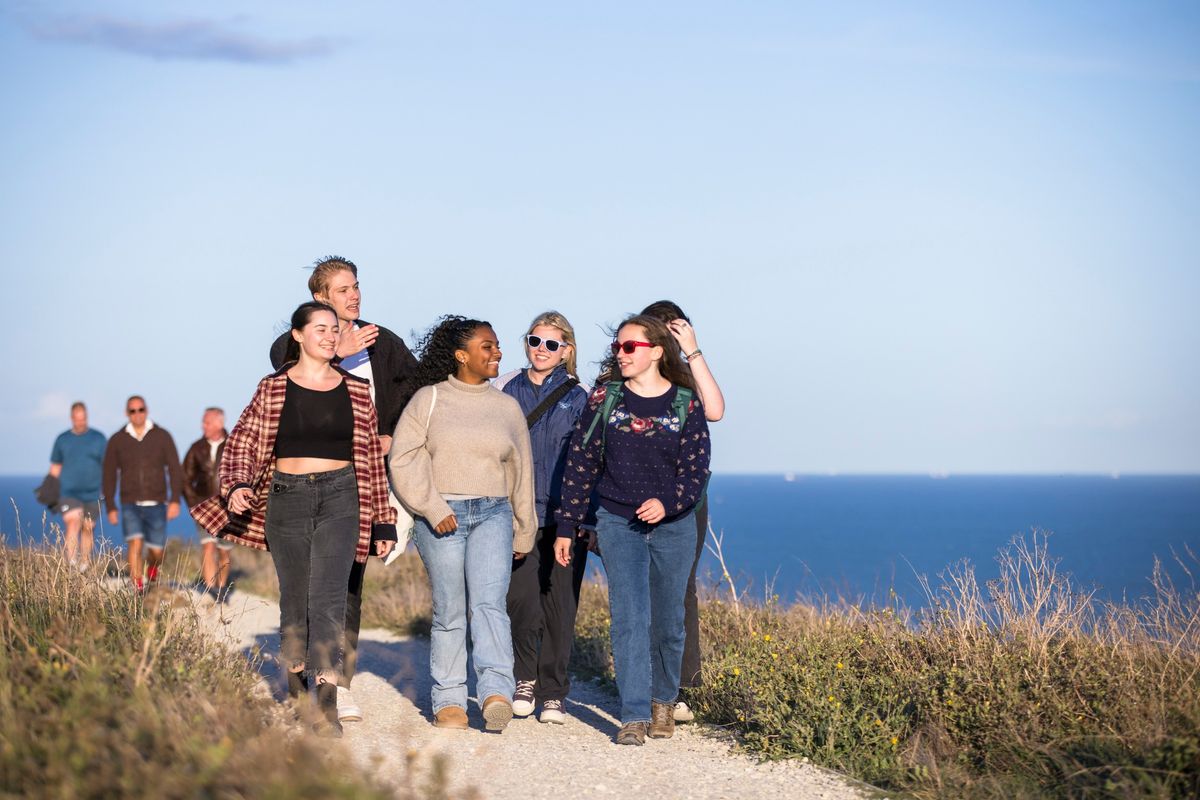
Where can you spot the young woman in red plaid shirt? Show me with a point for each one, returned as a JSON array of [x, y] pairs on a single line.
[[303, 476]]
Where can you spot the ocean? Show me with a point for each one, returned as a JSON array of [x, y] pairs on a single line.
[[861, 537]]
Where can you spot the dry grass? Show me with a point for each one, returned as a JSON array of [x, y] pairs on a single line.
[[104, 695]]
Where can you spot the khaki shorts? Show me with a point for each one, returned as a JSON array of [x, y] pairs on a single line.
[[91, 508]]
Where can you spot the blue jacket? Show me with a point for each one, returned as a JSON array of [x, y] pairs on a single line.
[[549, 436]]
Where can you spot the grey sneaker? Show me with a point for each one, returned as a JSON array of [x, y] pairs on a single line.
[[552, 711], [522, 704], [683, 713]]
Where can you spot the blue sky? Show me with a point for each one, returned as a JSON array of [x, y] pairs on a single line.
[[913, 237]]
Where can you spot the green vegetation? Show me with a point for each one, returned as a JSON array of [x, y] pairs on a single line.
[[1022, 690], [104, 695]]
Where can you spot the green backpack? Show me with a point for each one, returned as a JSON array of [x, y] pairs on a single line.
[[614, 390]]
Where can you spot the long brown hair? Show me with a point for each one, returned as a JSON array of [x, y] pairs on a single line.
[[671, 366]]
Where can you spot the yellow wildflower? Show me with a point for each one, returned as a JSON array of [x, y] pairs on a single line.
[[766, 637], [736, 671], [840, 665], [831, 698], [895, 741]]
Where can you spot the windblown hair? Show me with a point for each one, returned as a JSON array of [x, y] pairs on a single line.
[[437, 346], [666, 310], [301, 317], [557, 320], [324, 269], [671, 366]]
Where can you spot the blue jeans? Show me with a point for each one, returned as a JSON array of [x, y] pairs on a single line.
[[647, 568], [469, 570], [145, 522]]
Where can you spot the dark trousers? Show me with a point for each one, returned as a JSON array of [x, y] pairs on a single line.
[[543, 597], [354, 594], [312, 531], [689, 674]]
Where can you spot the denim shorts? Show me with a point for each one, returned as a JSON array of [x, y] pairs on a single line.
[[145, 522], [204, 537]]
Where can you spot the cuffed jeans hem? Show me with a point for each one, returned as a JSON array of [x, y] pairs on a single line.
[[670, 702]]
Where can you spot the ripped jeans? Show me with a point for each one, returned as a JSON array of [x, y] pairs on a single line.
[[312, 532]]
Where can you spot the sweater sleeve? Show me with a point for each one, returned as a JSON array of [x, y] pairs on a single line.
[[583, 466], [109, 475], [691, 473], [239, 460], [520, 483], [409, 463], [174, 473]]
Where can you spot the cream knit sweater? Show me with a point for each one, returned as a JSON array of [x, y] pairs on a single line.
[[475, 443]]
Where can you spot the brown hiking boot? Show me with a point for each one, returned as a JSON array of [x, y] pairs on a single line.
[[451, 717], [662, 720], [497, 713], [632, 733]]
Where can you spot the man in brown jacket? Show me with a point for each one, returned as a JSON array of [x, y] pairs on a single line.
[[143, 458], [201, 467]]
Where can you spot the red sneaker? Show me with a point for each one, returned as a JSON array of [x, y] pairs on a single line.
[[152, 573]]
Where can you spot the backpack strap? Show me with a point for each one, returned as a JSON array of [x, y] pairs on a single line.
[[612, 395], [683, 399], [551, 399]]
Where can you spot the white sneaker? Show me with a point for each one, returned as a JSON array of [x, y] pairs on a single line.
[[683, 713], [523, 699], [348, 710], [552, 711]]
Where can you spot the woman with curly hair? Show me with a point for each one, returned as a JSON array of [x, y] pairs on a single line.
[[461, 462], [642, 446]]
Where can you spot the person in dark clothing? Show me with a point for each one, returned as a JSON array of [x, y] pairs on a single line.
[[374, 353], [201, 466], [714, 408], [143, 459], [642, 447], [543, 595]]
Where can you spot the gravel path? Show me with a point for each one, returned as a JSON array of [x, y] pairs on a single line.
[[529, 760]]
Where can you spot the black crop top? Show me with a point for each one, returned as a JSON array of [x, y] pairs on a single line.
[[315, 424]]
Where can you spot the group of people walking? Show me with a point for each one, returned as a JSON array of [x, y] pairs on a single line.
[[507, 483], [86, 470]]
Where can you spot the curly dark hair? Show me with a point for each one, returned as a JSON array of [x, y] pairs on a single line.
[[437, 346], [672, 366]]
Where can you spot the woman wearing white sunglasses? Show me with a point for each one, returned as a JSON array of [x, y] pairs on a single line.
[[543, 595]]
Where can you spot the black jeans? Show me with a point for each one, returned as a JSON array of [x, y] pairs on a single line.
[[354, 594], [312, 531], [543, 597], [689, 674]]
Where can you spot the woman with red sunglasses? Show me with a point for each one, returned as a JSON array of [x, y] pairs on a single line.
[[642, 446]]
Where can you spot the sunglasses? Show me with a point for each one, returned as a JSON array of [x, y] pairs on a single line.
[[552, 345], [628, 346], [141, 410]]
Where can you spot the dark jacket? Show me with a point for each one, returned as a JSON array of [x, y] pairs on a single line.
[[549, 436], [141, 466], [200, 471], [393, 366]]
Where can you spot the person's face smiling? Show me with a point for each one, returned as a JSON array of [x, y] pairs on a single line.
[[343, 294], [540, 358], [479, 361]]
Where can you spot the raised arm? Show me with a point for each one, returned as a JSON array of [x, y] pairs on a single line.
[[706, 384]]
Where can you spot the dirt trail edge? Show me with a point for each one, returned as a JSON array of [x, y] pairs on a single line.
[[529, 760]]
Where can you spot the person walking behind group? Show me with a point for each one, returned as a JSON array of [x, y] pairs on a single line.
[[642, 446], [77, 460], [714, 408], [302, 476], [381, 357], [543, 595], [201, 467], [461, 463], [142, 458]]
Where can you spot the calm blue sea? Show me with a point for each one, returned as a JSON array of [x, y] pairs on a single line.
[[860, 536]]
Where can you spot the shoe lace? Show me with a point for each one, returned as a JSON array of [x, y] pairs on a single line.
[[524, 688], [552, 705]]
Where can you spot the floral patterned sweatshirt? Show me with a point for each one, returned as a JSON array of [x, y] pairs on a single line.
[[647, 455]]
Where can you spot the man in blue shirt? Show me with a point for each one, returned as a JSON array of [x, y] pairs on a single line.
[[76, 460]]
